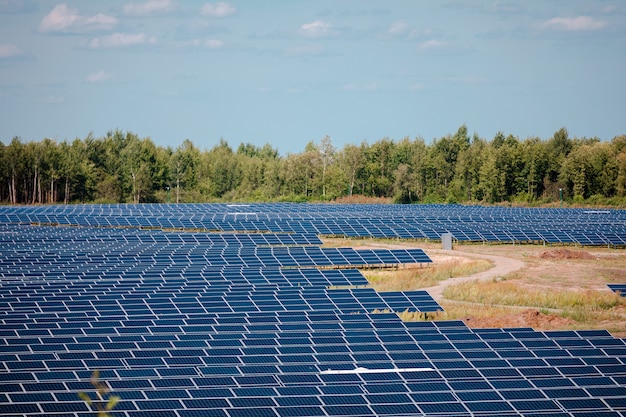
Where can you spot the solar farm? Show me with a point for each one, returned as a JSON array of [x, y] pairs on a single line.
[[234, 310]]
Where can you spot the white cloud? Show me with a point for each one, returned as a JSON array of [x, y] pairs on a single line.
[[416, 87], [213, 43], [398, 28], [575, 24], [99, 77], [67, 20], [149, 7], [220, 9], [120, 40], [431, 44], [317, 29], [10, 51], [200, 43]]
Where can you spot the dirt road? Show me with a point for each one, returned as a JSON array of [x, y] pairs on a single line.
[[501, 267]]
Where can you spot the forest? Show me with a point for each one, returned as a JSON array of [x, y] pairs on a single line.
[[122, 167]]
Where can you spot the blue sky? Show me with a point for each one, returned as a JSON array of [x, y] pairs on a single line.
[[288, 72]]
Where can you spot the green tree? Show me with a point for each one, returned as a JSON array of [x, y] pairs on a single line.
[[467, 171], [184, 165], [403, 183], [326, 152], [536, 164], [14, 157], [221, 169], [379, 168], [51, 167], [492, 180], [351, 159], [139, 163]]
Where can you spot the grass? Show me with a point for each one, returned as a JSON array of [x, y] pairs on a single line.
[[588, 308], [510, 293], [566, 293], [456, 311], [415, 278]]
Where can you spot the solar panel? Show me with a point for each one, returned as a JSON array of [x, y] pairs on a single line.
[[247, 324]]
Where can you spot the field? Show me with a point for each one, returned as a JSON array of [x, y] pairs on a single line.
[[543, 287], [230, 310]]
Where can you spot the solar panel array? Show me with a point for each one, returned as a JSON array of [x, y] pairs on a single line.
[[620, 288], [185, 324], [477, 224]]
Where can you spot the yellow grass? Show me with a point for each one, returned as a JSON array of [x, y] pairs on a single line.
[[486, 299], [422, 277], [512, 294]]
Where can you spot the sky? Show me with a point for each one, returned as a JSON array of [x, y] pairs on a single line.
[[288, 72]]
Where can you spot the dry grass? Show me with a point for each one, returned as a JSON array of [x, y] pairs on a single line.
[[511, 293], [421, 277], [546, 294], [585, 308], [457, 311]]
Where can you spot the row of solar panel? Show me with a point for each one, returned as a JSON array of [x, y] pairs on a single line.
[[299, 256], [353, 225], [189, 337], [261, 360], [473, 224], [371, 405], [63, 235], [273, 363], [619, 288], [480, 232], [349, 300], [299, 211], [65, 282]]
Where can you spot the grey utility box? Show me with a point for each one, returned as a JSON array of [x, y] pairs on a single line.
[[446, 241]]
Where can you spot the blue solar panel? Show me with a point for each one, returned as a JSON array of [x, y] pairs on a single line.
[[219, 322]]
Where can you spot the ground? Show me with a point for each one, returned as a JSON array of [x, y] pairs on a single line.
[[543, 287]]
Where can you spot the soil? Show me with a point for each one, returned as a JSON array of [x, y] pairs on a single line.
[[564, 253], [532, 266]]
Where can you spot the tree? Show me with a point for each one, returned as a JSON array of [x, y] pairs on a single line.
[[299, 172], [403, 183], [352, 159], [222, 170], [327, 156], [15, 161], [139, 159], [591, 170], [467, 171], [51, 167], [492, 187], [184, 167], [379, 168]]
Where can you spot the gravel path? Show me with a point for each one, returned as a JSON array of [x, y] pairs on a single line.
[[501, 267]]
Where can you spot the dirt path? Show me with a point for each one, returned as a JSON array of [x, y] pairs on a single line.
[[502, 266]]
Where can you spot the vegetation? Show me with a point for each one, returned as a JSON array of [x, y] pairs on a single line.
[[104, 401], [411, 278], [508, 293], [124, 168]]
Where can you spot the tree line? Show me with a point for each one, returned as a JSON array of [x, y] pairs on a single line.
[[122, 167]]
